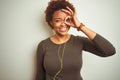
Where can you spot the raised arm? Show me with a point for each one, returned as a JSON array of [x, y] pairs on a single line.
[[96, 43], [98, 46]]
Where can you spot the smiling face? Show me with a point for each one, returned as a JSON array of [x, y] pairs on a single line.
[[58, 23]]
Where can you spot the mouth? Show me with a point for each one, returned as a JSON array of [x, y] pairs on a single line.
[[63, 29]]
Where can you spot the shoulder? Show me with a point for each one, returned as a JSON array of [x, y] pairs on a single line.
[[44, 42], [78, 37], [42, 45]]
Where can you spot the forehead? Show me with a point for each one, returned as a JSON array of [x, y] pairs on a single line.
[[59, 14]]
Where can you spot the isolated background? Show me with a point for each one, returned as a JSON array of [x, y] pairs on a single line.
[[22, 27]]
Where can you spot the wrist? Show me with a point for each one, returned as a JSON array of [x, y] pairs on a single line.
[[81, 25]]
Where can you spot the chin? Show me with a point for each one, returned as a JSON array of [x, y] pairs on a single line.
[[63, 33]]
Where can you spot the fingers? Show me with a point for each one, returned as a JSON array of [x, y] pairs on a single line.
[[70, 10], [69, 21], [66, 11]]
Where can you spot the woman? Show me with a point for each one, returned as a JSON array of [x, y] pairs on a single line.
[[59, 57]]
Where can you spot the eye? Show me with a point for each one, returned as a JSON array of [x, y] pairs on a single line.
[[57, 20], [68, 20]]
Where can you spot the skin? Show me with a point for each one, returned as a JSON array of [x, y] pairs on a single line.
[[62, 21]]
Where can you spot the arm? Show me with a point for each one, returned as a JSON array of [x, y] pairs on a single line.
[[98, 46], [91, 34], [73, 21], [40, 73]]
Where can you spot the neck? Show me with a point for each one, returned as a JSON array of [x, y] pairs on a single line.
[[60, 38]]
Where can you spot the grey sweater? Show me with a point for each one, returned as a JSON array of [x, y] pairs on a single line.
[[48, 63]]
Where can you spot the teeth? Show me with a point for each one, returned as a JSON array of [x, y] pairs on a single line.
[[63, 29]]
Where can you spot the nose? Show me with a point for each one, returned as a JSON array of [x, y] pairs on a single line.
[[63, 23]]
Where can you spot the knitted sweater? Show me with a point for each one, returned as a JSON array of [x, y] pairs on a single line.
[[48, 63]]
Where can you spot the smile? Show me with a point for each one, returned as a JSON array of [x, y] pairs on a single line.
[[62, 29]]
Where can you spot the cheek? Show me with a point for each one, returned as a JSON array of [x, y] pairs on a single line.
[[56, 28], [56, 25]]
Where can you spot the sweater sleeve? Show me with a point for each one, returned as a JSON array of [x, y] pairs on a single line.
[[40, 73], [99, 46]]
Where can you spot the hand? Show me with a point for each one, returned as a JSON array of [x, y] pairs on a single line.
[[71, 19]]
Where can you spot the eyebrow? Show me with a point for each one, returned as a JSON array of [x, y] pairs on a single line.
[[56, 18]]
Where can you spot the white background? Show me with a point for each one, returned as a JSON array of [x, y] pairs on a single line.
[[22, 27]]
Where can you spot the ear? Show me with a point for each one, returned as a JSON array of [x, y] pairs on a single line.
[[51, 23]]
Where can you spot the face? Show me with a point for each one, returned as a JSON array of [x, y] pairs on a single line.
[[58, 22]]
